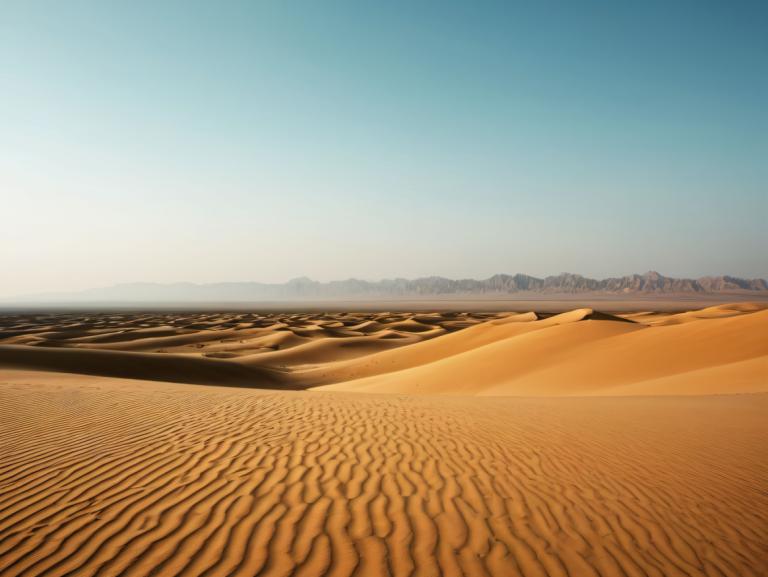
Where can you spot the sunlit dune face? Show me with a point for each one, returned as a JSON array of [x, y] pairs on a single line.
[[578, 352]]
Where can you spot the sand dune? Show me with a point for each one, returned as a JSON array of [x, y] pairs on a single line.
[[249, 349], [720, 349], [580, 355], [105, 476], [583, 462], [172, 368]]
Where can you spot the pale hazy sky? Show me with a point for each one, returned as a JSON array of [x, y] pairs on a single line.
[[222, 141]]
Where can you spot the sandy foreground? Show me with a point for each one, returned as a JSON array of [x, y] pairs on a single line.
[[494, 444]]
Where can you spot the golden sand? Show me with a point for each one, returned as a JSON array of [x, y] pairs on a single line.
[[560, 475]]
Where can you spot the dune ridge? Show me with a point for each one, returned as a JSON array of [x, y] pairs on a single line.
[[581, 354], [249, 349], [721, 349]]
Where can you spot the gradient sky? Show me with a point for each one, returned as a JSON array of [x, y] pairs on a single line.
[[223, 141]]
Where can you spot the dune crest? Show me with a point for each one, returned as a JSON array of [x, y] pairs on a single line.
[[716, 350], [580, 353]]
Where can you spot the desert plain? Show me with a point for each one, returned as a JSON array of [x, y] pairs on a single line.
[[573, 443]]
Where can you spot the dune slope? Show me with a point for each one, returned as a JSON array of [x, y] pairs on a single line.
[[581, 356], [172, 368], [110, 477], [720, 349]]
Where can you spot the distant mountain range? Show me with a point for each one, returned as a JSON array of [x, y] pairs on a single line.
[[498, 285]]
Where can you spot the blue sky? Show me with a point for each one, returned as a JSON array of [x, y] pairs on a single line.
[[212, 141]]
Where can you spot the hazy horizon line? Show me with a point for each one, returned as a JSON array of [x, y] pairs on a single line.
[[649, 275]]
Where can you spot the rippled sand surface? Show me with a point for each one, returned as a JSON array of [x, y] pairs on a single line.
[[606, 454]]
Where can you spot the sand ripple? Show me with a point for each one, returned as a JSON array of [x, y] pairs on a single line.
[[117, 478]]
